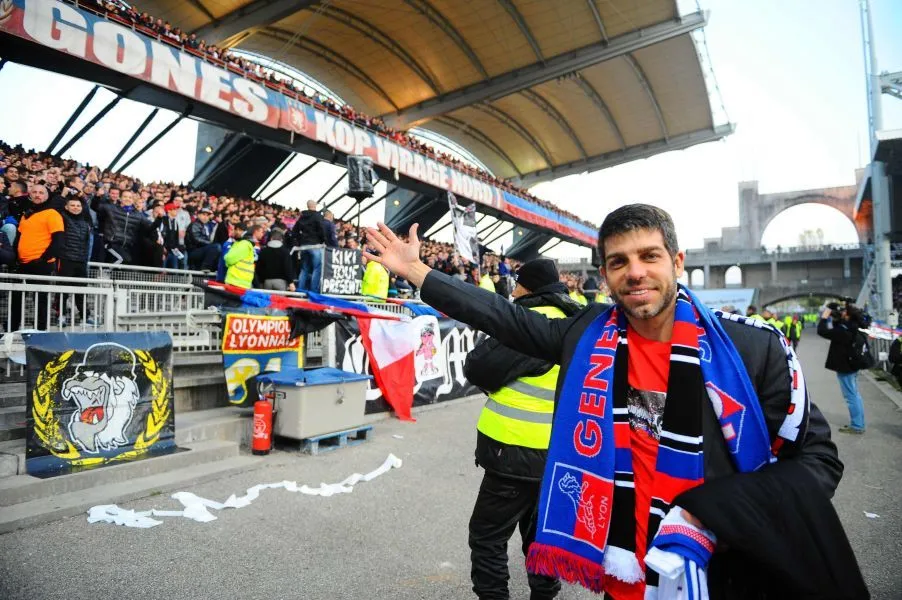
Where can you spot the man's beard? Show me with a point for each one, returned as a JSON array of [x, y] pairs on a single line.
[[650, 311]]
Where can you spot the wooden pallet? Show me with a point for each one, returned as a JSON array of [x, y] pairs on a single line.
[[332, 441]]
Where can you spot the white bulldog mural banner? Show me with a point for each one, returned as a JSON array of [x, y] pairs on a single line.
[[96, 399]]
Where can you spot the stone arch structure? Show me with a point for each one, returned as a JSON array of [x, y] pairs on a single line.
[[757, 210], [731, 274], [697, 278]]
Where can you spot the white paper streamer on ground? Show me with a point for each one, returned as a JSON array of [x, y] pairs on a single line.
[[197, 508]]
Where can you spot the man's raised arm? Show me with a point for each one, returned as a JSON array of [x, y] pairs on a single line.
[[527, 331]]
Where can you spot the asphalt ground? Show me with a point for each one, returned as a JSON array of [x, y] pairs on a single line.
[[402, 535]]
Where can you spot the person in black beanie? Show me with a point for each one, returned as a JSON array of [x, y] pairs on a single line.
[[512, 450]]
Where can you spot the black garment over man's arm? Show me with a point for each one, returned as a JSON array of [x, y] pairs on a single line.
[[492, 365], [529, 332]]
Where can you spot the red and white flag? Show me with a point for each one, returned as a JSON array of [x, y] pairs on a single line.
[[390, 349]]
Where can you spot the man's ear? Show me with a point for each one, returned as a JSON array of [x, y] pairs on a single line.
[[679, 263]]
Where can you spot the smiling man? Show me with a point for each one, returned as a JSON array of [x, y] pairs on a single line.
[[677, 431]]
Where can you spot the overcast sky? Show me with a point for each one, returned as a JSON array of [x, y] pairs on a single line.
[[792, 80]]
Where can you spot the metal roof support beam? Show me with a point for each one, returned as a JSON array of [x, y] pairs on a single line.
[[640, 75], [517, 127], [379, 38], [610, 159], [891, 84], [552, 246], [552, 112], [440, 229], [256, 14], [439, 20], [378, 200], [480, 137], [488, 229], [228, 162], [89, 125], [598, 21], [329, 55], [292, 180], [502, 234], [75, 114], [596, 98], [332, 187], [524, 28], [200, 6], [531, 75], [156, 139], [132, 139], [272, 176]]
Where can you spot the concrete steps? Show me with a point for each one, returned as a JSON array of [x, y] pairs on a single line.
[[24, 488], [12, 458], [12, 394]]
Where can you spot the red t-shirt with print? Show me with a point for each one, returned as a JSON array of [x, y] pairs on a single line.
[[649, 368]]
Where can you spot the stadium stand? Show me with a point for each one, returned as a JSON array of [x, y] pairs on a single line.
[[120, 219], [163, 31]]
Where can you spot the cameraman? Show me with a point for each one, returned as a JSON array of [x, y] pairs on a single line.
[[840, 326]]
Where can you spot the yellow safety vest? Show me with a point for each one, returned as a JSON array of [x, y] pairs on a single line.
[[239, 261], [486, 283], [375, 280], [579, 297], [757, 316], [520, 413], [778, 325]]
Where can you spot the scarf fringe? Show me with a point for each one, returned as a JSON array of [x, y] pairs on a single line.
[[623, 565], [553, 561]]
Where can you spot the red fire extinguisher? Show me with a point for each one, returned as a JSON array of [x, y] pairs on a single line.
[[262, 439]]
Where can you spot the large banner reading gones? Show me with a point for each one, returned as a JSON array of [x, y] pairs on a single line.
[[440, 350], [87, 36]]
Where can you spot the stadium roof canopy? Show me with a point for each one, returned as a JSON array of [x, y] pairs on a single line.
[[536, 89]]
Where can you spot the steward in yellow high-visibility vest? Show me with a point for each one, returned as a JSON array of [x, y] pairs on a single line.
[[375, 280], [512, 435], [752, 313], [241, 258]]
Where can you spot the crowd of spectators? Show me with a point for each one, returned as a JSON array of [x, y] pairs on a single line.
[[157, 27], [89, 214]]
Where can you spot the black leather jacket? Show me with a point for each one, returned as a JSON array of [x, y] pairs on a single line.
[[120, 227]]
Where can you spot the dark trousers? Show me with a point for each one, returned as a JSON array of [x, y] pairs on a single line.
[[503, 505], [69, 268], [38, 301], [204, 258]]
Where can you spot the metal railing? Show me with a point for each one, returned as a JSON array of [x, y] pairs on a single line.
[[123, 298]]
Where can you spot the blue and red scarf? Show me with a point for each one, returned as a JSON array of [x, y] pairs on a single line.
[[586, 518]]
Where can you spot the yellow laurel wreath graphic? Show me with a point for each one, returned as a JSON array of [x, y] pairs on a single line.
[[6, 11], [47, 427]]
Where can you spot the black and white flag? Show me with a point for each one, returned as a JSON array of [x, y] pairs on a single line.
[[464, 220]]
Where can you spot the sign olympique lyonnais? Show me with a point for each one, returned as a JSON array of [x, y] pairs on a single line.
[[79, 33]]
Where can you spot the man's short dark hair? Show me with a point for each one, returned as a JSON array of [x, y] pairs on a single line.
[[633, 217], [254, 229], [275, 235]]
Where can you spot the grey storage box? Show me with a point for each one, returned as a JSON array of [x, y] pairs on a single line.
[[312, 402]]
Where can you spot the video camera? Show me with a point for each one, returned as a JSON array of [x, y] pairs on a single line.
[[860, 315]]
